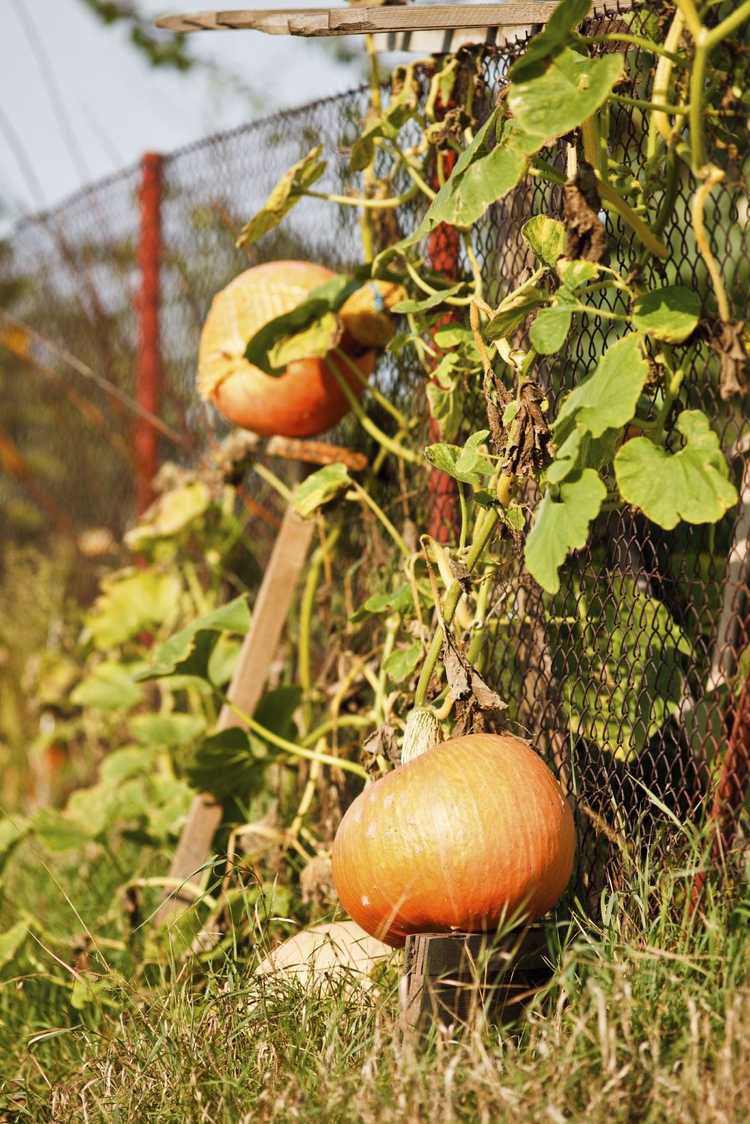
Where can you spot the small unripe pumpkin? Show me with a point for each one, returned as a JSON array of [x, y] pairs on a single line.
[[306, 398], [472, 832]]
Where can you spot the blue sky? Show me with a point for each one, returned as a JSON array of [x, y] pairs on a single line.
[[117, 107]]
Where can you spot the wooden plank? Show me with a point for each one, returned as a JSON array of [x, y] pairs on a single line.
[[270, 612], [362, 21], [451, 977]]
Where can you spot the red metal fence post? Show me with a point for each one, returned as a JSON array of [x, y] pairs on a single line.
[[148, 369]]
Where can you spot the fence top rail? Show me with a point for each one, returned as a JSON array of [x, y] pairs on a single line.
[[365, 21]]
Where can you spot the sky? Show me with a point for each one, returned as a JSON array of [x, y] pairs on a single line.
[[86, 103]]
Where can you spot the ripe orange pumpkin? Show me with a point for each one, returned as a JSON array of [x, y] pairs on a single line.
[[470, 832], [306, 398]]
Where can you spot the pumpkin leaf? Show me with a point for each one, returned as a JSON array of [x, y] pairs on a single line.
[[129, 603], [445, 396], [170, 514], [608, 398], [320, 488], [59, 832], [556, 33], [401, 663], [12, 831], [308, 325], [426, 303], [692, 484], [561, 525], [109, 687], [393, 601], [513, 310], [575, 273], [550, 100], [467, 464], [11, 942], [669, 314], [187, 651], [550, 328], [546, 237], [226, 765], [287, 192], [166, 730], [401, 108]]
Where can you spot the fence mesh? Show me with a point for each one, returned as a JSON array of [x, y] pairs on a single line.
[[632, 679]]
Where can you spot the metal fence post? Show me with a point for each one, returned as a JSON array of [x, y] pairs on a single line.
[[148, 369]]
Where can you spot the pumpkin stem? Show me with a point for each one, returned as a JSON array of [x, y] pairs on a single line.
[[422, 732]]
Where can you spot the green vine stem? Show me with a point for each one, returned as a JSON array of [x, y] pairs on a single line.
[[658, 122], [714, 177], [403, 423], [386, 442], [393, 203], [380, 515], [293, 749], [307, 605], [351, 721]]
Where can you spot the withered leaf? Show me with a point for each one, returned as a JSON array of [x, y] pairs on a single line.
[[529, 437], [586, 235], [381, 743], [730, 345], [465, 682]]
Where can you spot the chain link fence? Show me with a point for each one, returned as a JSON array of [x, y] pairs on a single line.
[[633, 679]]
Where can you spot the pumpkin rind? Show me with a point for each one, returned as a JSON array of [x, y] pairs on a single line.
[[303, 401], [472, 832]]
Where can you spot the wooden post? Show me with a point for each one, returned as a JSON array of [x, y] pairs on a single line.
[[148, 369], [450, 978], [258, 650]]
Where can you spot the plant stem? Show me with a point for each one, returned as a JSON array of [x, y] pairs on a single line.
[[355, 721], [714, 176], [697, 83], [654, 106], [307, 604], [361, 201], [295, 750], [271, 478], [727, 26], [381, 516], [367, 424], [379, 397], [637, 41], [452, 598], [692, 19]]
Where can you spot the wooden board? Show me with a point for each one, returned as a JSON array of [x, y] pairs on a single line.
[[450, 977], [269, 615], [364, 21]]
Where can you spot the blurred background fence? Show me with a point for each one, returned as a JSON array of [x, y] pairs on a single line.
[[633, 678]]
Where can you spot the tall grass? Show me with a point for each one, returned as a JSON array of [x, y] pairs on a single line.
[[646, 1018]]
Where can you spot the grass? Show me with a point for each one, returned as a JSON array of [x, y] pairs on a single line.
[[647, 1018]]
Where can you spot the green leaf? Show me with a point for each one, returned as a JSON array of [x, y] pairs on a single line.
[[608, 398], [170, 514], [180, 650], [670, 314], [445, 396], [131, 761], [226, 766], [287, 192], [549, 329], [561, 525], [426, 303], [168, 804], [130, 603], [401, 663], [222, 660], [320, 488], [59, 832], [546, 237], [12, 831], [276, 710], [548, 101], [566, 457], [307, 325], [691, 484], [573, 274], [394, 601], [166, 730], [388, 124], [467, 464], [109, 687], [556, 33], [513, 310], [11, 942]]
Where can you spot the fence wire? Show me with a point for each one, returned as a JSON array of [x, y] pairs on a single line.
[[632, 680]]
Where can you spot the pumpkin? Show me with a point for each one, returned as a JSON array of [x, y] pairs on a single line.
[[469, 834], [306, 398]]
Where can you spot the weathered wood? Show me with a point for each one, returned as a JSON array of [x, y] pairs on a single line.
[[450, 977], [363, 21], [251, 671]]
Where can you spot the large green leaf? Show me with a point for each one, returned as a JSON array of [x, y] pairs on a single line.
[[309, 326], [401, 663], [172, 512], [166, 730], [11, 942], [556, 33], [692, 484], [553, 99], [608, 398], [320, 488], [669, 314], [513, 310], [226, 765], [287, 192], [550, 328], [109, 687], [561, 525], [180, 651], [467, 464], [131, 602], [59, 832]]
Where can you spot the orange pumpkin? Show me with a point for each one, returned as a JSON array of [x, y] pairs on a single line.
[[303, 401], [469, 833]]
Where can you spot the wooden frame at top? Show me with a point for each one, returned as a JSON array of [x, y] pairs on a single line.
[[364, 21]]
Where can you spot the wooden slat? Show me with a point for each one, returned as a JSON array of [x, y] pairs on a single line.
[[362, 21], [270, 612]]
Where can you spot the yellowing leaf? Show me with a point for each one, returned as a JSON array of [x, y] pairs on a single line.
[[288, 191]]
